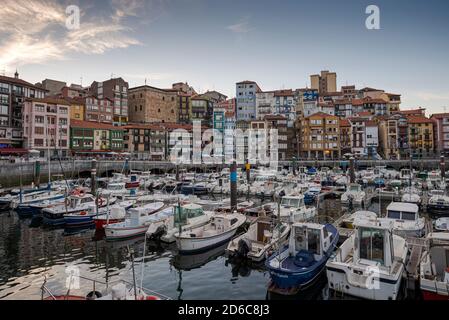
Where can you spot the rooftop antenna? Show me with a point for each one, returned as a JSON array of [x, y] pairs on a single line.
[[145, 81]]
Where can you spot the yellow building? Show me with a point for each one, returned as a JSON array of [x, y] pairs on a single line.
[[420, 136], [320, 137], [324, 82], [77, 109]]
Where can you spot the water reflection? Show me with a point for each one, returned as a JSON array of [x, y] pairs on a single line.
[[29, 254]]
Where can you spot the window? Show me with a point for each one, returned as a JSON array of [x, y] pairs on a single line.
[[3, 121], [39, 119], [394, 214], [3, 110], [39, 130], [372, 245]]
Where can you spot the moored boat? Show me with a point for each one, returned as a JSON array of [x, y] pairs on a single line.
[[300, 262], [219, 230]]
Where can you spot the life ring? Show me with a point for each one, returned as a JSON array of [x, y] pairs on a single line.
[[83, 213], [149, 298]]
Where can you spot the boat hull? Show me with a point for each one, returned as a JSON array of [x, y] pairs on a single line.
[[388, 287], [195, 245], [117, 234], [431, 295], [101, 223], [78, 220]]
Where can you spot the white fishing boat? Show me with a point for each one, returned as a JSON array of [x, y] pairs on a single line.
[[259, 241], [186, 217], [438, 204], [370, 263], [406, 220], [411, 195], [138, 221], [219, 230], [355, 194], [293, 209], [442, 224], [434, 267]]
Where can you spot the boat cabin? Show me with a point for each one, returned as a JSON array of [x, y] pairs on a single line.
[[309, 240], [188, 211], [354, 188], [292, 201], [373, 243], [78, 200], [405, 174], [403, 211]]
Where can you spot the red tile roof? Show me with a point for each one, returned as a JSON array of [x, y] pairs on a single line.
[[20, 82], [418, 119], [49, 100]]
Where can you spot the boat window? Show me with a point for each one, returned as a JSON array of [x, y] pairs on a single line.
[[408, 216], [372, 245], [354, 188], [313, 241], [300, 239], [392, 214], [325, 233], [233, 221]]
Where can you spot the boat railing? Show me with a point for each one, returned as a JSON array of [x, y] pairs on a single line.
[[95, 283]]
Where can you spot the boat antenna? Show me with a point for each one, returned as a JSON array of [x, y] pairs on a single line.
[[131, 256], [143, 262]]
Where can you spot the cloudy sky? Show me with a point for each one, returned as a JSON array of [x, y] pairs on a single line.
[[213, 43]]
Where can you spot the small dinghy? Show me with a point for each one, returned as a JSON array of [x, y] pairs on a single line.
[[137, 223], [219, 230], [259, 241]]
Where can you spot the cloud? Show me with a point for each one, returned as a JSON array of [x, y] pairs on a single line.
[[34, 31], [243, 26]]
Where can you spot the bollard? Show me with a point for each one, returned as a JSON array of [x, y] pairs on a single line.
[[351, 170], [233, 182], [37, 173], [442, 167], [93, 177]]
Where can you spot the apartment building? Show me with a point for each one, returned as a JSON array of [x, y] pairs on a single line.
[[93, 138], [46, 124], [441, 132], [116, 90], [364, 137], [246, 100], [13, 93], [421, 136], [324, 82], [320, 136]]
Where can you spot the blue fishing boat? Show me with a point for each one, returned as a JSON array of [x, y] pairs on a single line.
[[34, 206], [194, 188], [311, 194], [303, 259], [311, 171]]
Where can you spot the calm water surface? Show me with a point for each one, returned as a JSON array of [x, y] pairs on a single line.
[[28, 255]]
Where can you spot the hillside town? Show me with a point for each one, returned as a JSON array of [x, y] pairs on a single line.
[[320, 122]]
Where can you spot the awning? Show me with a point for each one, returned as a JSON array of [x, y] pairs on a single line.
[[13, 151]]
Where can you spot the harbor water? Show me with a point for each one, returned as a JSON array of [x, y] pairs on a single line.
[[29, 255]]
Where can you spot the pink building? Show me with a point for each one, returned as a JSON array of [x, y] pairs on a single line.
[[441, 132], [46, 124], [228, 106]]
